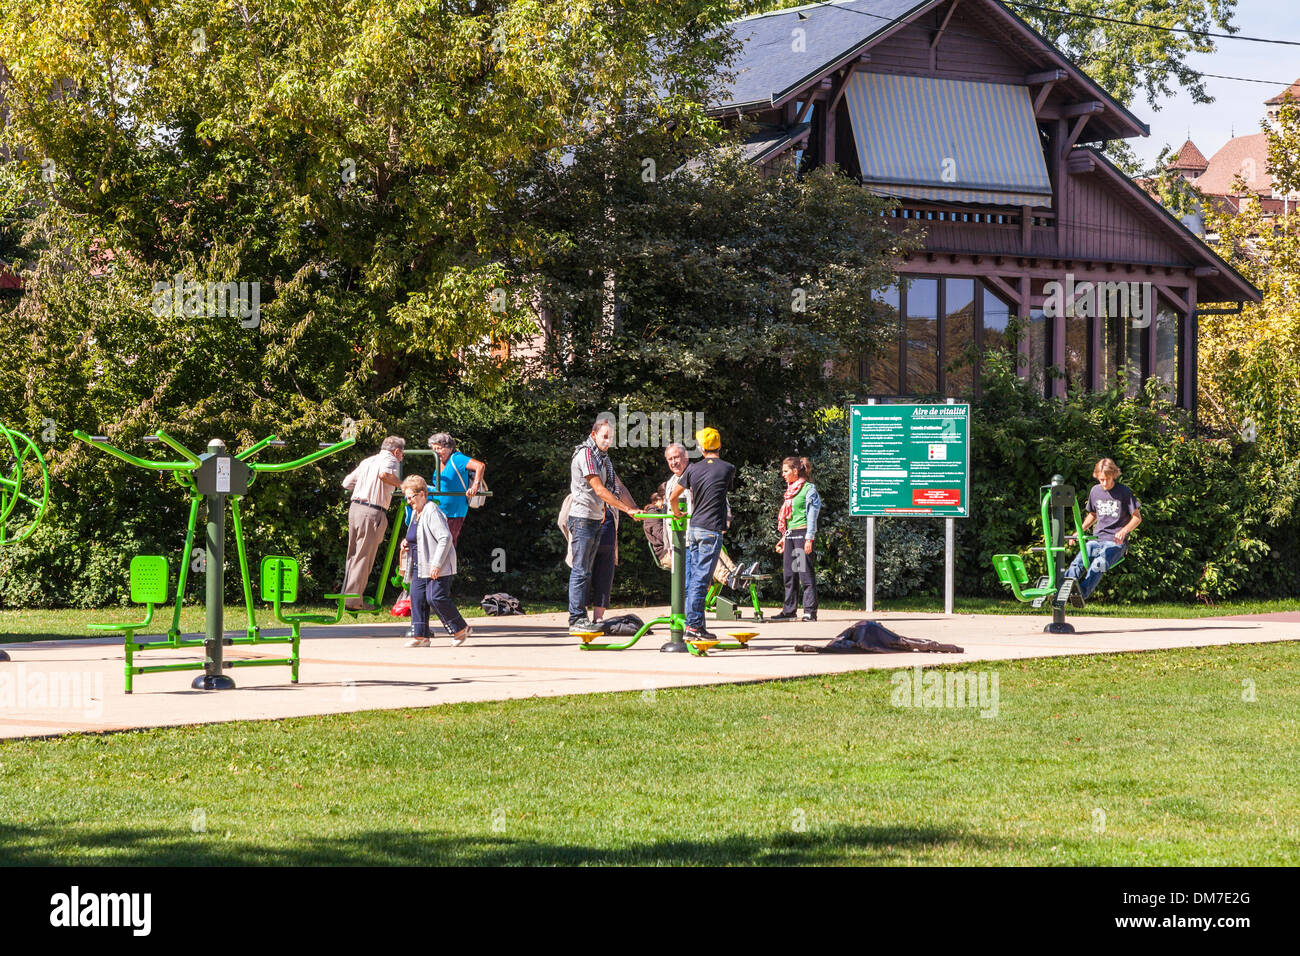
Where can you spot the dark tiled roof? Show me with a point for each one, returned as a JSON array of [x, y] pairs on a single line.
[[767, 144], [773, 141], [774, 62], [769, 64]]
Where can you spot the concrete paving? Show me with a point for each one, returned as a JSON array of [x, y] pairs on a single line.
[[55, 687]]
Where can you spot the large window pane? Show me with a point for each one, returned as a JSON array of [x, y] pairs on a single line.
[[997, 315], [922, 337], [1112, 347], [959, 337], [1040, 349], [1135, 357], [1167, 336], [882, 368], [1076, 352]]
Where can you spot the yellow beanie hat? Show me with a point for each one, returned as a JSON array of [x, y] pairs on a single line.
[[708, 439]]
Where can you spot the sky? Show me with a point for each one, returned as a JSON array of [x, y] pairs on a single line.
[[1237, 107]]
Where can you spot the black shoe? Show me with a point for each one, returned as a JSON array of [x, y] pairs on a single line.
[[1076, 599], [699, 634], [809, 617], [783, 616]]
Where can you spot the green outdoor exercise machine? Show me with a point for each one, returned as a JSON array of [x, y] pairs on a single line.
[[726, 609], [24, 464], [1054, 500], [27, 464], [211, 478], [676, 618]]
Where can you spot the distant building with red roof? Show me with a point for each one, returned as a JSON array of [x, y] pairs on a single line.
[[1190, 161], [1244, 158]]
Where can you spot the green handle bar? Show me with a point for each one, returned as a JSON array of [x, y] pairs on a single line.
[[306, 460], [188, 455], [678, 524], [139, 462], [254, 449]]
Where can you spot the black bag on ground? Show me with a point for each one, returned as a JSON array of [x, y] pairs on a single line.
[[872, 637], [625, 625], [501, 604]]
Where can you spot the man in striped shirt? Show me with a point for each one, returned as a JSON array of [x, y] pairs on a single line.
[[596, 493]]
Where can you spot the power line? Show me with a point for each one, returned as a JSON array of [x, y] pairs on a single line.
[[1244, 79], [1151, 26], [1136, 23]]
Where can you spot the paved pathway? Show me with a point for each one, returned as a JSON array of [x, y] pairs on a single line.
[[53, 687]]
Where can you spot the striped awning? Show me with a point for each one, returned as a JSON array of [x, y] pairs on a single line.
[[919, 137]]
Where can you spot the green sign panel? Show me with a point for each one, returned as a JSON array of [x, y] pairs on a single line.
[[910, 460]]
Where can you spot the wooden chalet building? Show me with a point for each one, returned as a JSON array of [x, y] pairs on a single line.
[[988, 137]]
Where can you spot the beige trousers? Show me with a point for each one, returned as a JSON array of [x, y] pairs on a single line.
[[366, 528]]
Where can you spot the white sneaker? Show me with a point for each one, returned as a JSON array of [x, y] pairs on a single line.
[[418, 642], [458, 639]]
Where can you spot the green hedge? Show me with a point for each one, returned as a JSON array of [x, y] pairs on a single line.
[[1218, 517]]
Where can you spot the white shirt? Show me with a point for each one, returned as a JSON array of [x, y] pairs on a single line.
[[364, 481]]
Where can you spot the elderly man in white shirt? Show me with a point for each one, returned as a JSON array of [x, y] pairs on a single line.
[[371, 483]]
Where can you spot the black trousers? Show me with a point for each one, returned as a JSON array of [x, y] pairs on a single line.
[[798, 573]]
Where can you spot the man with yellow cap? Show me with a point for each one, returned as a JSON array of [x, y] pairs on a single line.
[[708, 481]]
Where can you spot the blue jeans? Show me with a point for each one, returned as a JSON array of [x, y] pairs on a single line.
[[1099, 557], [702, 550], [584, 533]]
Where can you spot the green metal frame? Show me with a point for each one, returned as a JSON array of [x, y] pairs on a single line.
[[676, 617], [715, 591], [715, 587], [1011, 569], [11, 486], [182, 472]]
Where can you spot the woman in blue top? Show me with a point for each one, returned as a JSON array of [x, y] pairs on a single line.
[[797, 525], [460, 475]]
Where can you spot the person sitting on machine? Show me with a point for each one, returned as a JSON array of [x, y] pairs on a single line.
[[1115, 511], [727, 572]]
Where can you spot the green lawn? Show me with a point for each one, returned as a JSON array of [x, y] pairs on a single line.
[[26, 625], [1170, 758]]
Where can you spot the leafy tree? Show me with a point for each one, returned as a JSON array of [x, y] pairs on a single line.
[[1250, 361], [363, 166], [683, 285], [1180, 196]]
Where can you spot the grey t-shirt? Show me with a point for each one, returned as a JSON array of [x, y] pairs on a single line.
[[1113, 509], [590, 460]]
